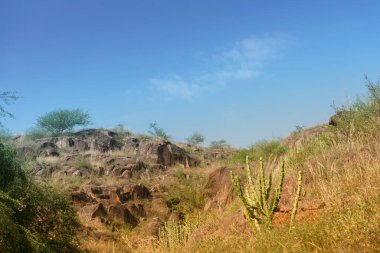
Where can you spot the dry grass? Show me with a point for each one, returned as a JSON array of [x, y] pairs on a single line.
[[343, 172], [49, 160], [344, 175]]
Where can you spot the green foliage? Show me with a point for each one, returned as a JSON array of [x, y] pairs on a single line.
[[12, 236], [60, 121], [219, 144], [10, 167], [7, 98], [47, 215], [259, 209], [33, 217], [158, 132], [195, 139]]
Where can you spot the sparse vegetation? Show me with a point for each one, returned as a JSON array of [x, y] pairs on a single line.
[[173, 235], [195, 139], [325, 199], [265, 149], [82, 162], [37, 133], [219, 144], [7, 98], [158, 131], [362, 118]]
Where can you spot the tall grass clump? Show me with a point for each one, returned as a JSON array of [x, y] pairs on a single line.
[[82, 162], [360, 119], [173, 236]]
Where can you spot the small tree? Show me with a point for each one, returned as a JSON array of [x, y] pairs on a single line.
[[195, 139], [219, 144], [158, 132], [60, 121]]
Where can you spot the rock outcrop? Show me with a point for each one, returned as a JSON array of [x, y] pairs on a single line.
[[111, 204]]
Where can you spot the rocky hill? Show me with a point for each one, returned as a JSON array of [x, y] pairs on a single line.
[[134, 193], [115, 179]]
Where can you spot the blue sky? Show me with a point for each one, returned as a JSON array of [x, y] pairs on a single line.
[[242, 71]]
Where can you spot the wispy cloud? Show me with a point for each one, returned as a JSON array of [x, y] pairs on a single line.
[[243, 61], [176, 86]]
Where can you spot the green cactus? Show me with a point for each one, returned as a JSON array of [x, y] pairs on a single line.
[[259, 207], [296, 200]]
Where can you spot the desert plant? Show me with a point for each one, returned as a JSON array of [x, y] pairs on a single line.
[[258, 207], [60, 121], [174, 235], [296, 199]]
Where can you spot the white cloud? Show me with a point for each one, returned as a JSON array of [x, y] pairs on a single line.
[[176, 86], [244, 61]]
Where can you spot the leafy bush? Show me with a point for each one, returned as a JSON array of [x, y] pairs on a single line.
[[10, 167], [34, 217]]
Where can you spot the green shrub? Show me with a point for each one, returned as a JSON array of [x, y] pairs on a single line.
[[10, 167], [34, 217]]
